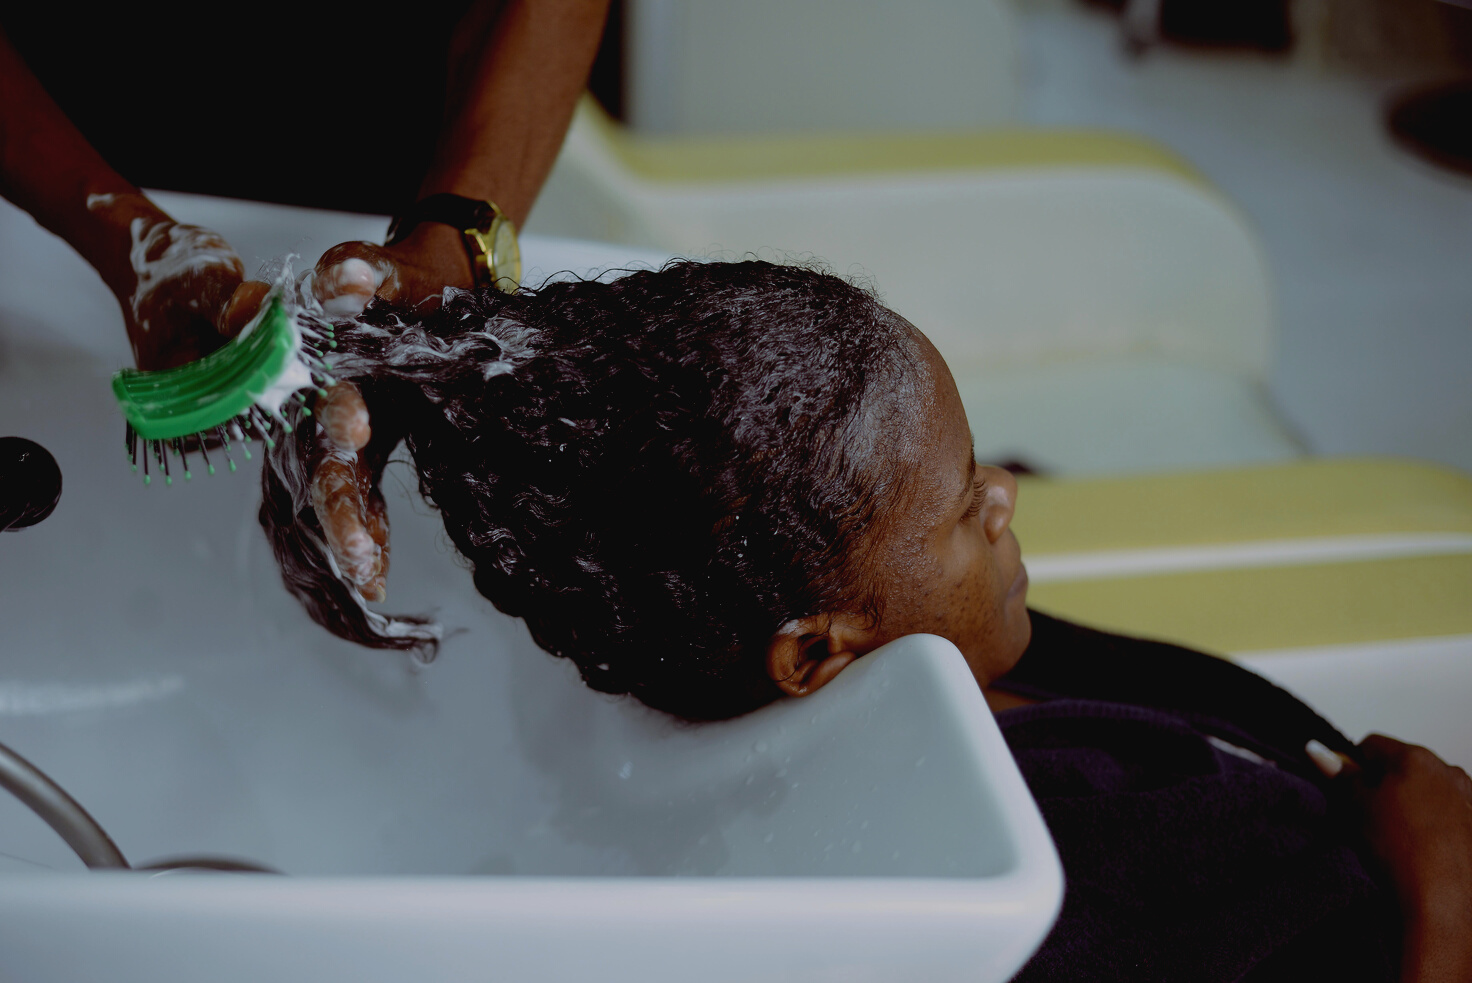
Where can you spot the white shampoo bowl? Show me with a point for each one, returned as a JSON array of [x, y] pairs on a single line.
[[489, 817]]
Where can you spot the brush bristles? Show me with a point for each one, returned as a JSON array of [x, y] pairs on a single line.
[[237, 430], [317, 337]]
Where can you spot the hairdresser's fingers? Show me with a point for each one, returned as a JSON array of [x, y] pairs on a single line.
[[349, 275], [183, 268], [184, 276], [345, 288], [1463, 782], [1386, 757], [344, 417], [1384, 753], [337, 498], [349, 506], [241, 307], [1332, 763], [377, 524]]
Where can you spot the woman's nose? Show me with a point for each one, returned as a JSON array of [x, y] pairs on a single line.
[[1001, 501]]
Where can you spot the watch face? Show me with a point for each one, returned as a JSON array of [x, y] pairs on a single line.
[[505, 255]]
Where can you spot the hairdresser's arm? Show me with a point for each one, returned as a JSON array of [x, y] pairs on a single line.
[[173, 281], [516, 69], [1417, 813]]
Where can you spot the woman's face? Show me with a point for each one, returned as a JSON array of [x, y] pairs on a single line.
[[950, 564]]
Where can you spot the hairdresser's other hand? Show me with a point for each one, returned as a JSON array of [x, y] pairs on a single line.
[[345, 494], [179, 286], [1417, 816], [411, 272]]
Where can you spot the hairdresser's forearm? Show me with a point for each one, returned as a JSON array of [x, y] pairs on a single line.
[[516, 70], [48, 168], [1437, 946]]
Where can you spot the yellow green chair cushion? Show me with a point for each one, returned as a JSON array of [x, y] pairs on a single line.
[[1318, 552]]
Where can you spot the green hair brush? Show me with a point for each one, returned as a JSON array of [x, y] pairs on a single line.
[[241, 387]]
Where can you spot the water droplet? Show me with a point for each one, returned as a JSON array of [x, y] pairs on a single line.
[[760, 747], [920, 761], [750, 779], [895, 855], [769, 837], [782, 773], [856, 847], [626, 770], [864, 824]]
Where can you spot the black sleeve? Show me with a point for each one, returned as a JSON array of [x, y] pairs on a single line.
[[173, 103]]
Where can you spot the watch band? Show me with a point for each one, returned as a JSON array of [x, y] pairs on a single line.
[[489, 236]]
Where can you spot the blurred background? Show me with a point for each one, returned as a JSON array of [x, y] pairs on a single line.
[[1339, 129]]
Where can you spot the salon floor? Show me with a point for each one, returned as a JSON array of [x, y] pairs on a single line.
[[1370, 248]]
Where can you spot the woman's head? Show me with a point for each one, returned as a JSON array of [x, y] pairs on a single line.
[[705, 485]]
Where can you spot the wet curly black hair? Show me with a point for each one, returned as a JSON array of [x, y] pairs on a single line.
[[655, 472]]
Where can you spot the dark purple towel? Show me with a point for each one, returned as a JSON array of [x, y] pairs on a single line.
[[1195, 847], [1185, 861]]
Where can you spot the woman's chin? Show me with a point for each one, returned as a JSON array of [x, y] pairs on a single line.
[[1018, 619], [1018, 592]]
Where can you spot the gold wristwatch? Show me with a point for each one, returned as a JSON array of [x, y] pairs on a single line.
[[489, 236]]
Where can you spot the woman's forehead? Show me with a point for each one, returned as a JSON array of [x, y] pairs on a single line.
[[939, 436], [945, 413]]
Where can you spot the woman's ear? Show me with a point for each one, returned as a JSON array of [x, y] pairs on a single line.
[[806, 653]]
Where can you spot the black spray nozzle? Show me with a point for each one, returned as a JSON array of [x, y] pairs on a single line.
[[30, 483]]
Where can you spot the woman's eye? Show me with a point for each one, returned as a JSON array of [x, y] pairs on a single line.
[[978, 499]]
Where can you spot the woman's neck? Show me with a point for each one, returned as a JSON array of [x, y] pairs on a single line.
[[1000, 699]]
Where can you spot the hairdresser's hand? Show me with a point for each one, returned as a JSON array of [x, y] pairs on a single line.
[[412, 272], [345, 493], [179, 286], [1417, 816]]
